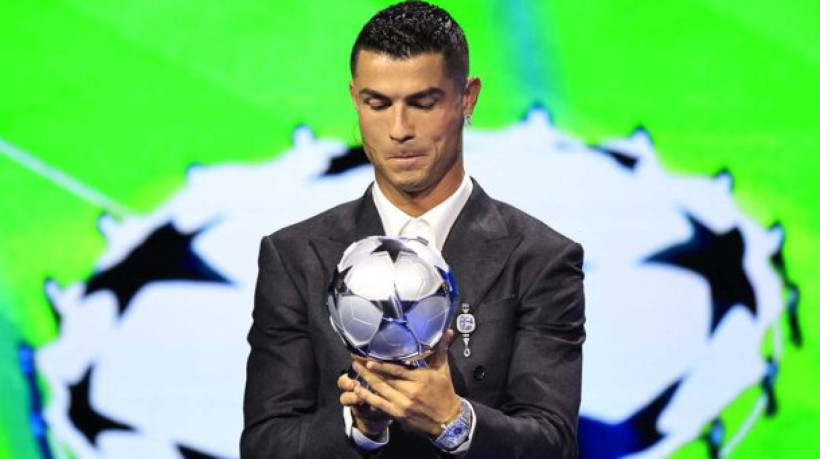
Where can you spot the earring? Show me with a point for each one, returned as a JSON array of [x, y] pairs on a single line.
[[468, 120]]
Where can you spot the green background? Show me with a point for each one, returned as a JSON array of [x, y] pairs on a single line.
[[123, 96]]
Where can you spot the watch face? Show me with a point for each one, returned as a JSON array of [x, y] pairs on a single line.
[[455, 435], [457, 431]]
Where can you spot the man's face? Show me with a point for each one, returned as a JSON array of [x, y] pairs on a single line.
[[410, 115]]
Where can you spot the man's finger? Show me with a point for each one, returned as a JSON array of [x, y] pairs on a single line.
[[439, 357], [376, 381], [380, 385], [350, 399], [394, 370], [375, 401], [345, 383]]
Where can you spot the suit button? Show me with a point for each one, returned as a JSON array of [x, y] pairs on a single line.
[[478, 373]]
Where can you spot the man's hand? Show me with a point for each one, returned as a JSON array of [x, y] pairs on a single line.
[[420, 398], [370, 421]]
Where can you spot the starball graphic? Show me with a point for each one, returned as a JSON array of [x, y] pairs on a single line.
[[680, 285]]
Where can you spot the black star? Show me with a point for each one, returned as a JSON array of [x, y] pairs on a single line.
[[393, 247], [353, 158], [337, 284], [624, 160], [190, 453], [87, 420], [719, 259], [777, 258], [165, 255], [601, 440], [792, 311]]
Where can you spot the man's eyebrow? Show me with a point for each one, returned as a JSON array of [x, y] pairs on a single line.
[[431, 91], [372, 93]]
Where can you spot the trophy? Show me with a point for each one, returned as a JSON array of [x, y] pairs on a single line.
[[392, 299]]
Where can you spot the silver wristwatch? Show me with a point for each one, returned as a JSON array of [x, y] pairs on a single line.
[[456, 432]]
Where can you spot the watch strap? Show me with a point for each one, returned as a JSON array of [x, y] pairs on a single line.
[[457, 431]]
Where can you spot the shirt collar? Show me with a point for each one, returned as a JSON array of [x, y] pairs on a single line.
[[440, 217]]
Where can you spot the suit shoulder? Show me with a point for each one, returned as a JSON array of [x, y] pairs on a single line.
[[316, 225], [531, 229]]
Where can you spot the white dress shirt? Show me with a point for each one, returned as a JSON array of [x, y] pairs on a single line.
[[434, 226], [440, 218]]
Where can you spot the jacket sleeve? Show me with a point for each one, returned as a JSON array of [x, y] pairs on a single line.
[[282, 418], [538, 416]]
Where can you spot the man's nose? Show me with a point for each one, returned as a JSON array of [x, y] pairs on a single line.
[[401, 129]]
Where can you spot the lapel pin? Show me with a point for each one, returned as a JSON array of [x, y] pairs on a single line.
[[465, 324]]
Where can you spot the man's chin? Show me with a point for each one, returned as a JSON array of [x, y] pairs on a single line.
[[409, 185]]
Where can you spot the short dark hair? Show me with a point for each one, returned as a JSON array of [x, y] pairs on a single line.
[[410, 28]]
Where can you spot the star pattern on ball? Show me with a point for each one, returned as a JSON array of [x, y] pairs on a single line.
[[166, 254], [603, 440], [393, 308], [719, 259], [84, 417], [393, 247]]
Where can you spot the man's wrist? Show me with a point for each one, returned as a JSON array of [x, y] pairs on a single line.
[[441, 426], [358, 438], [368, 431], [455, 432]]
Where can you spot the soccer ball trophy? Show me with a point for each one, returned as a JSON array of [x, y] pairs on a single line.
[[392, 299]]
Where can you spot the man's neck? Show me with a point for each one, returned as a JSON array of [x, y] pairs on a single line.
[[416, 204]]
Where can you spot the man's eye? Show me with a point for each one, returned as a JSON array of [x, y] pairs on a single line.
[[377, 104], [425, 104]]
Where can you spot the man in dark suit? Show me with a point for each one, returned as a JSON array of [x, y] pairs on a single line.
[[513, 388]]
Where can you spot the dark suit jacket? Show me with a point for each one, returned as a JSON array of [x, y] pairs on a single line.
[[524, 284]]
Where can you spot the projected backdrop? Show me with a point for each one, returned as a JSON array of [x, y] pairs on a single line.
[[146, 148]]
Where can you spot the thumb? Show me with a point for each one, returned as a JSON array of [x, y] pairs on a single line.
[[439, 358]]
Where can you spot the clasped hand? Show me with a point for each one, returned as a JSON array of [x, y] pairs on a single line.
[[420, 398]]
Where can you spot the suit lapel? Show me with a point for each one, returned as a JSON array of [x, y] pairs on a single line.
[[477, 250], [477, 247], [363, 221], [354, 222]]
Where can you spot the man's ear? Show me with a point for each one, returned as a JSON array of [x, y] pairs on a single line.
[[470, 96], [352, 89]]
